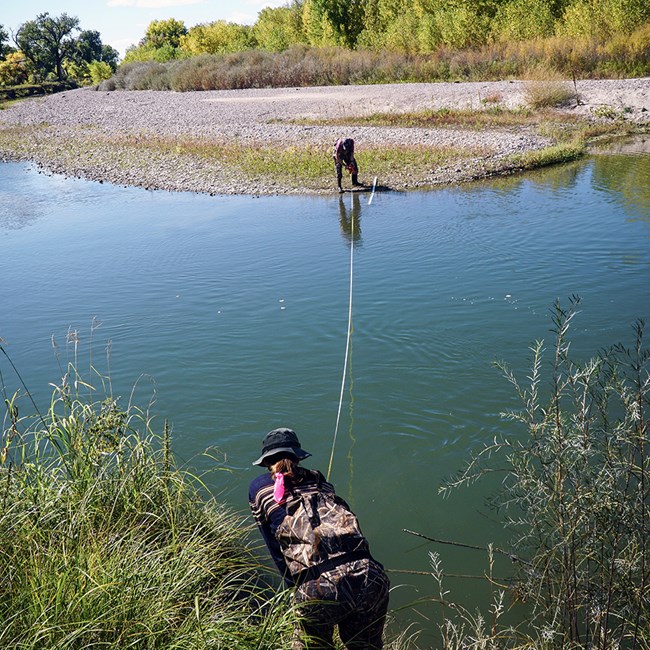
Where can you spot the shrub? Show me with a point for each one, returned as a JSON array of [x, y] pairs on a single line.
[[302, 65], [577, 488], [99, 71], [546, 89], [138, 76]]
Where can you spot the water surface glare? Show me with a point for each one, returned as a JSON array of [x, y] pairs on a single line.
[[234, 310]]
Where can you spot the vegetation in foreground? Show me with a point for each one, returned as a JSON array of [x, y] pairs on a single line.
[[576, 496], [106, 543]]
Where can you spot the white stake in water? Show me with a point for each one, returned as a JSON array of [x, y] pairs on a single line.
[[372, 194]]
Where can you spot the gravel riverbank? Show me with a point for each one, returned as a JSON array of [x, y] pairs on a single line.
[[95, 134]]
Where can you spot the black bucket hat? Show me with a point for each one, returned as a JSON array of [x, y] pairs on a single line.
[[279, 440]]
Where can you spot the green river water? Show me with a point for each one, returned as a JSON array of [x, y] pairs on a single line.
[[233, 311]]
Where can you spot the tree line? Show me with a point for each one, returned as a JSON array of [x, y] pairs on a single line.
[[54, 48], [404, 26]]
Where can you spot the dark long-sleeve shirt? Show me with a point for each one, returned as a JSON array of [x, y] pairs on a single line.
[[344, 151], [269, 515]]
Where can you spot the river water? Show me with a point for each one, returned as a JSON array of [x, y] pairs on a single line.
[[233, 312]]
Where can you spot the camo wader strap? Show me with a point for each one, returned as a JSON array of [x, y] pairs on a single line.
[[316, 571]]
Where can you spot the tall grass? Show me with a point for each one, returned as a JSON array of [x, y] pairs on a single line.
[[105, 542], [547, 89], [301, 65]]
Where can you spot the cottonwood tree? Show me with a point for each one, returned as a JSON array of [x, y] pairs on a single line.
[[47, 42], [4, 37], [279, 28], [89, 48], [161, 42], [333, 22], [161, 33], [218, 37]]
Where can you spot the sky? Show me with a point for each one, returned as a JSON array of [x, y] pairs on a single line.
[[122, 23]]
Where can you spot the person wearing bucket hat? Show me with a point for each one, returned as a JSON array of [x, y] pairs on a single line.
[[280, 441], [318, 547]]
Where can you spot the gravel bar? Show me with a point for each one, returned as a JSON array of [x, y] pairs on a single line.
[[78, 133]]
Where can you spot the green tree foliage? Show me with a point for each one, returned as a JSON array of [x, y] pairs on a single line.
[[318, 31], [604, 18], [14, 69], [462, 26], [420, 26], [47, 42], [4, 44], [164, 32], [522, 20], [146, 53], [89, 48], [280, 28], [99, 71], [408, 27], [160, 43], [334, 22], [218, 37]]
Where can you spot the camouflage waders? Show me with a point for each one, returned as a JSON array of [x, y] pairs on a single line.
[[352, 596]]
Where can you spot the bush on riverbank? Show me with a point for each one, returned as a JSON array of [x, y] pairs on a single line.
[[576, 493], [619, 56], [106, 542]]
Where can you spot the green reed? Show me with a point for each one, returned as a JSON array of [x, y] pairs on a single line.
[[106, 542]]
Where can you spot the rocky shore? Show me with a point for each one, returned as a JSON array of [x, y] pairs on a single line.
[[95, 134]]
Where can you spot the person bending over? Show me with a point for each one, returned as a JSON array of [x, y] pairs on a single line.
[[315, 541], [344, 156]]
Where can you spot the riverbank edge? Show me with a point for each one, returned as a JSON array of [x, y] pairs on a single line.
[[81, 157], [279, 156]]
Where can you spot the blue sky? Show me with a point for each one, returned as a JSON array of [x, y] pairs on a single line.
[[123, 22]]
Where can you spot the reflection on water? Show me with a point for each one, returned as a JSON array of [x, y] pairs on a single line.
[[554, 178], [625, 183], [17, 209], [350, 217], [636, 145]]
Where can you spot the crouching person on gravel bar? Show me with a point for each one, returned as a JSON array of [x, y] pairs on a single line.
[[317, 545]]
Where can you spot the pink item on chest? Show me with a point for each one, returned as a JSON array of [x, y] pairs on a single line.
[[278, 488]]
